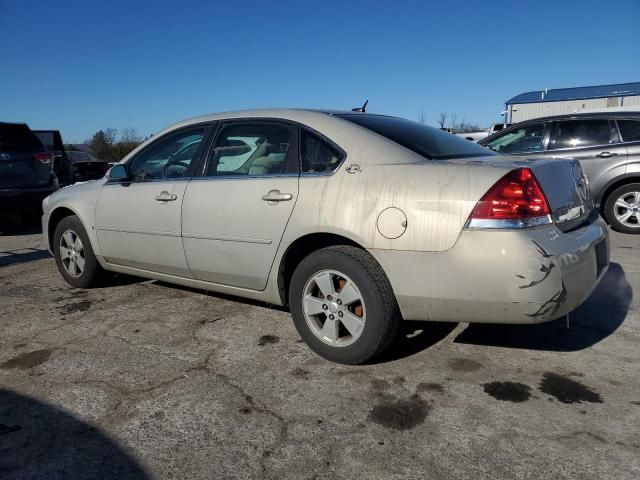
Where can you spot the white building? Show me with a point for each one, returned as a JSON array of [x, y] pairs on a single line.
[[560, 101]]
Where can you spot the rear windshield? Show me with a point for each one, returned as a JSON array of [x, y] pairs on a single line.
[[47, 139], [16, 137], [427, 141]]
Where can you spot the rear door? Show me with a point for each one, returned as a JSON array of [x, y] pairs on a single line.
[[235, 213], [630, 131], [22, 163], [594, 142]]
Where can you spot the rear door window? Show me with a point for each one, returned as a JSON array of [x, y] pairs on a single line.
[[18, 138], [317, 156], [251, 150], [630, 130], [581, 133]]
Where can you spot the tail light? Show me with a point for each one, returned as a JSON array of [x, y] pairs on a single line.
[[515, 201], [44, 157]]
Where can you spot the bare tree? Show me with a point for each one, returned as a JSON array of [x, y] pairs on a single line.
[[110, 135], [130, 135], [442, 119], [453, 121]]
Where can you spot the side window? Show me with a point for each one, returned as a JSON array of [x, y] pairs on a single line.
[[168, 157], [582, 133], [317, 155], [630, 130], [525, 139], [249, 149]]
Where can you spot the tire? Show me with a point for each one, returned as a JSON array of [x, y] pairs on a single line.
[[91, 274], [373, 318], [613, 213]]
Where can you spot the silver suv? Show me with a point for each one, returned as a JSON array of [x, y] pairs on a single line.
[[607, 145]]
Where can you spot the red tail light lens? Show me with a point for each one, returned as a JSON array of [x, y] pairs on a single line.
[[44, 157], [515, 197]]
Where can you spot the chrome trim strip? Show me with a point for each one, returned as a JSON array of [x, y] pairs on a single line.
[[227, 239], [140, 232], [507, 224], [115, 181], [244, 177], [191, 235]]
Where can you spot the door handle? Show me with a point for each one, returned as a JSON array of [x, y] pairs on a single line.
[[276, 196], [166, 197], [606, 154]]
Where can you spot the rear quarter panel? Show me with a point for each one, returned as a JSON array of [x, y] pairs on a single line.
[[435, 196]]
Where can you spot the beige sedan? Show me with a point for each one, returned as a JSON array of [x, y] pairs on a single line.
[[355, 221]]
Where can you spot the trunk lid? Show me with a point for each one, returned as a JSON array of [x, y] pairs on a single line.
[[566, 189], [562, 181]]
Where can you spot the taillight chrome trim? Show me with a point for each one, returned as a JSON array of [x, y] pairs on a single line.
[[508, 224]]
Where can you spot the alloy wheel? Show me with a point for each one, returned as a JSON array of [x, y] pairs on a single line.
[[72, 253], [627, 209], [334, 308]]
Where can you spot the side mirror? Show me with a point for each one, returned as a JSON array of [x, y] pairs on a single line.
[[118, 172]]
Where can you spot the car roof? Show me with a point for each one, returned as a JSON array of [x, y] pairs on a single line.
[[14, 123], [578, 115], [294, 114]]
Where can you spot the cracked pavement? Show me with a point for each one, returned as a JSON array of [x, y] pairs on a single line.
[[142, 379]]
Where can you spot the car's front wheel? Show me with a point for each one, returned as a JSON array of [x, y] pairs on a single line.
[[622, 208], [342, 304], [74, 255]]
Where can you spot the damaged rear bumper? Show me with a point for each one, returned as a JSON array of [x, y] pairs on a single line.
[[525, 276]]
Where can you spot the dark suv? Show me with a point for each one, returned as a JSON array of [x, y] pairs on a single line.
[[607, 145], [26, 169], [52, 140]]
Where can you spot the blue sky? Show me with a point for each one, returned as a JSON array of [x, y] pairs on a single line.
[[79, 66]]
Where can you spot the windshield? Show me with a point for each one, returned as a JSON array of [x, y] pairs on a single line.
[[525, 139], [427, 141]]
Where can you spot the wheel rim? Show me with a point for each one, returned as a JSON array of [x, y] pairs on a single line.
[[627, 209], [334, 308], [72, 253]]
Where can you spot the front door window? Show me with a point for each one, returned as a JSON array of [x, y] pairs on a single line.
[[169, 157]]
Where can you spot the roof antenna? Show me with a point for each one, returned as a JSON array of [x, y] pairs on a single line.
[[362, 109]]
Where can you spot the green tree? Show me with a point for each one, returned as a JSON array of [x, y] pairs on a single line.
[[102, 143]]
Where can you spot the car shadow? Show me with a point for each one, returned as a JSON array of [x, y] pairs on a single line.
[[38, 440], [222, 296], [22, 255], [600, 316], [414, 337]]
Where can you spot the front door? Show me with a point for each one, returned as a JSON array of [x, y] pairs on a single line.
[[234, 215], [138, 221]]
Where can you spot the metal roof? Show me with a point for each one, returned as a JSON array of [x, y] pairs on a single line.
[[577, 93]]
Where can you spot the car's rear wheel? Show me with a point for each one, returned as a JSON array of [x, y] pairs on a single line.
[[73, 254], [342, 304], [622, 208]]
